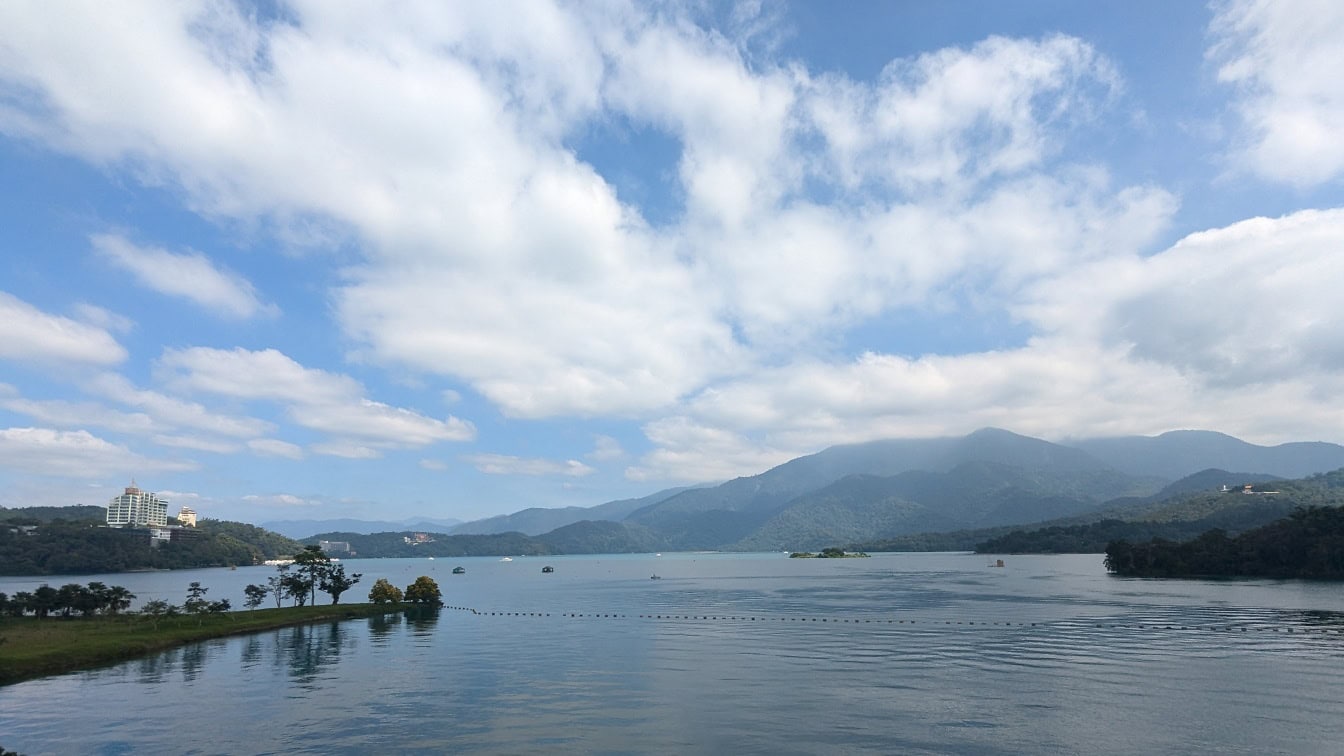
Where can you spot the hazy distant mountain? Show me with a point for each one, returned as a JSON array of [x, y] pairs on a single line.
[[991, 476], [903, 488], [1180, 453], [306, 528], [535, 520]]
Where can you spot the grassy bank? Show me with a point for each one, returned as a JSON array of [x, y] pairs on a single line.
[[31, 647]]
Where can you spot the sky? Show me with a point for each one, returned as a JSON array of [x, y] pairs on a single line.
[[307, 260]]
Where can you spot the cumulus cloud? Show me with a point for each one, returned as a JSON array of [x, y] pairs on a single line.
[[76, 454], [1283, 59], [315, 399], [489, 252], [28, 334], [188, 275], [503, 464], [525, 274], [172, 411]]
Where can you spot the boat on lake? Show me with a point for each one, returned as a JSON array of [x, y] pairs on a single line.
[[548, 568], [459, 570], [507, 559]]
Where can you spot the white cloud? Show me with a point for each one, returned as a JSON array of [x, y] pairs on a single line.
[[67, 414], [280, 500], [271, 447], [605, 449], [433, 464], [493, 256], [77, 454], [1283, 57], [174, 412], [503, 464], [28, 334], [345, 449], [189, 276], [436, 142], [195, 442], [315, 399]]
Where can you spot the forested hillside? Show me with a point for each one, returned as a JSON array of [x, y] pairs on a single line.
[[69, 546]]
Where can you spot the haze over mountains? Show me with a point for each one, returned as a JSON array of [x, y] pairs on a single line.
[[892, 488]]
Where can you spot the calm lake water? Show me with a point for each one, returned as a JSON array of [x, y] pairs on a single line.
[[754, 653]]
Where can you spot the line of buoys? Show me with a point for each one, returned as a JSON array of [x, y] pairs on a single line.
[[946, 623]]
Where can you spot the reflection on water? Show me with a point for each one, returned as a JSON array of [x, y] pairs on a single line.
[[904, 654], [307, 649]]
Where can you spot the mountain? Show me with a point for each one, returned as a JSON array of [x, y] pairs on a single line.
[[1180, 517], [535, 520], [917, 492], [991, 476], [306, 528], [1178, 453]]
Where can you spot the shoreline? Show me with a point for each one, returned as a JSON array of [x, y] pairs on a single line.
[[32, 648]]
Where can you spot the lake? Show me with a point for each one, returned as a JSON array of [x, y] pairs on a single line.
[[729, 653]]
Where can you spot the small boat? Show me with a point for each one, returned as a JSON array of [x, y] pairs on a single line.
[[548, 568], [431, 559], [656, 577], [459, 571], [507, 559]]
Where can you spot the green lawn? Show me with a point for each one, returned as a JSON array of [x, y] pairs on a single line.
[[31, 647]]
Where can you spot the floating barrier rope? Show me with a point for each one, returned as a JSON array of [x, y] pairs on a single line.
[[925, 623]]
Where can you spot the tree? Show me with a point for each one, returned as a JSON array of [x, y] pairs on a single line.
[[118, 600], [297, 587], [256, 595], [20, 604], [219, 607], [277, 584], [384, 592], [312, 564], [156, 609], [45, 600], [196, 603], [334, 582], [424, 591]]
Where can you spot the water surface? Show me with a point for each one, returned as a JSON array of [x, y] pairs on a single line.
[[904, 653]]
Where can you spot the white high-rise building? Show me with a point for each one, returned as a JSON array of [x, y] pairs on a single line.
[[136, 507]]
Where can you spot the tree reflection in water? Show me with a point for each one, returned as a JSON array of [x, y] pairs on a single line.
[[380, 628], [306, 649]]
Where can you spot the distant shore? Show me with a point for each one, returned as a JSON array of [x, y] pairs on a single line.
[[32, 647]]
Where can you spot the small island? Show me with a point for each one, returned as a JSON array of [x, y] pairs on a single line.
[[828, 553]]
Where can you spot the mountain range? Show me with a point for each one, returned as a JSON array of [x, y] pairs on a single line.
[[887, 489]]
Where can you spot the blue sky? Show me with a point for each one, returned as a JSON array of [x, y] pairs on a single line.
[[308, 260]]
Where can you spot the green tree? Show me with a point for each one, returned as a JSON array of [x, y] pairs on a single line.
[[45, 600], [118, 600], [277, 584], [311, 563], [156, 609], [334, 582], [196, 603], [20, 604], [297, 587], [384, 592], [256, 595], [424, 591]]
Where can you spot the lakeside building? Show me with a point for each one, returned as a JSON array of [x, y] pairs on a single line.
[[137, 508], [186, 517]]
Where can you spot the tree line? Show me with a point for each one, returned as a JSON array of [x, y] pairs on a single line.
[[1309, 543], [63, 547], [311, 571]]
